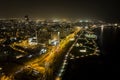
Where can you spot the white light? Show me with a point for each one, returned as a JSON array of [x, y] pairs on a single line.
[[102, 27], [61, 70], [80, 21], [77, 57], [83, 50], [82, 56], [19, 56], [86, 20], [97, 50], [115, 24], [30, 56], [0, 68], [72, 39]]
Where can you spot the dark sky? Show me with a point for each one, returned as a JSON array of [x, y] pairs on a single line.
[[105, 9]]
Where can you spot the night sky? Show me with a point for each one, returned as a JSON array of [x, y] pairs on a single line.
[[103, 9]]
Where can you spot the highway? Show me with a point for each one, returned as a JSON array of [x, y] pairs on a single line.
[[68, 56], [42, 63], [62, 69]]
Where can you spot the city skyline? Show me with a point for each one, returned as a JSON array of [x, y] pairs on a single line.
[[56, 48], [108, 10]]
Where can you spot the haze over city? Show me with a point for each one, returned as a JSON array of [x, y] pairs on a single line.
[[59, 39], [101, 9]]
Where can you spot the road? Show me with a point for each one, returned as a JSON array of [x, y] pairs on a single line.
[[85, 47], [68, 57], [59, 76], [42, 63]]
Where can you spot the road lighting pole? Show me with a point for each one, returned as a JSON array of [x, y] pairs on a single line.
[[59, 37], [36, 36]]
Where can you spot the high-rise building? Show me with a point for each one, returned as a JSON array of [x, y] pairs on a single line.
[[26, 18]]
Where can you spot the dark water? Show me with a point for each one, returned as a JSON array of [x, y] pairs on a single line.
[[103, 67]]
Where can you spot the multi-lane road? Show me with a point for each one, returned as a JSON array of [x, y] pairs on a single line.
[[82, 47], [41, 63]]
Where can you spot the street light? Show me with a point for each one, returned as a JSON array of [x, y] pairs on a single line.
[[59, 37]]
